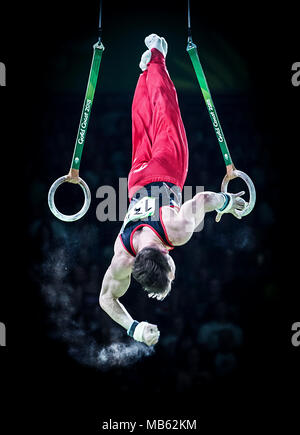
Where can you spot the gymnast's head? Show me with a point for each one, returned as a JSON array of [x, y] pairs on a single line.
[[154, 269]]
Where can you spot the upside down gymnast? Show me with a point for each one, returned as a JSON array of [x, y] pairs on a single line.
[[156, 220]]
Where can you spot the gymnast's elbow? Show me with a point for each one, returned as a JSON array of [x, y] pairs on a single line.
[[101, 301], [104, 298], [105, 304], [105, 293]]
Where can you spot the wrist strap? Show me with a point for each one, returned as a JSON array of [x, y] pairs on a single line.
[[131, 329], [227, 199], [227, 204]]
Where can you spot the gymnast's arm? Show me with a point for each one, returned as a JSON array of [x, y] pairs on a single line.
[[203, 202], [181, 225], [193, 211], [114, 285]]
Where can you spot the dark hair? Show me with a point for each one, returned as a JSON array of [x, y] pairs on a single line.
[[151, 270]]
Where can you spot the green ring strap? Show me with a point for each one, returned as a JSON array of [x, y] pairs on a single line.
[[192, 51], [87, 106]]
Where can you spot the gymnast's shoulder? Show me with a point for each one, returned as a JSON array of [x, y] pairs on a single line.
[[122, 261]]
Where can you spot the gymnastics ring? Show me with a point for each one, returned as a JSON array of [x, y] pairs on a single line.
[[239, 174], [81, 212]]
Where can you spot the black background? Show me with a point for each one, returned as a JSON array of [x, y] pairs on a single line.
[[41, 387]]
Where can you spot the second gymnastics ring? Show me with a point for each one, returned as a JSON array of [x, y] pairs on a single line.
[[239, 174], [81, 212]]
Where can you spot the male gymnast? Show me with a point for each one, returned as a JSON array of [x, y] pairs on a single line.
[[156, 220]]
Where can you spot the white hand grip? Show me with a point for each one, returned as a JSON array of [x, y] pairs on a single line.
[[239, 174]]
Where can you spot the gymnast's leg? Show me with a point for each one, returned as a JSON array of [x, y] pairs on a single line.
[[169, 142], [160, 149], [141, 114]]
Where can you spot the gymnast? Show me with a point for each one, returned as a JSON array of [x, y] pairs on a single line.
[[156, 220]]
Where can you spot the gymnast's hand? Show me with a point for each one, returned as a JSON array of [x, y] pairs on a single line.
[[235, 206], [150, 334], [238, 204]]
